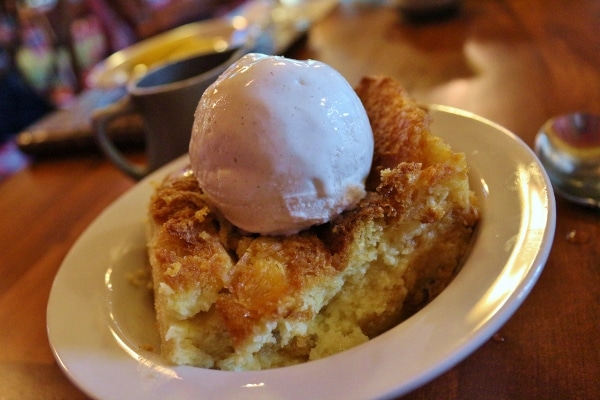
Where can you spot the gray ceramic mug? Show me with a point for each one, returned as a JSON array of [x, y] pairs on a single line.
[[166, 98]]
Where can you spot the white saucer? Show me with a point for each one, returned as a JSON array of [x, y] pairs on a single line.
[[203, 37], [101, 327]]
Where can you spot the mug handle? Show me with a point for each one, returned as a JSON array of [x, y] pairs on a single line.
[[101, 119]]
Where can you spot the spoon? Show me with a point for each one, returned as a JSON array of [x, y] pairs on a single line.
[[569, 148]]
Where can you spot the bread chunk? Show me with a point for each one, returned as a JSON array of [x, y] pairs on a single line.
[[230, 300]]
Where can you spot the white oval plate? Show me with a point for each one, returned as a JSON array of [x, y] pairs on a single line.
[[102, 331]]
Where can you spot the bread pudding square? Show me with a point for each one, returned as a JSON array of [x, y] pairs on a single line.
[[230, 300]]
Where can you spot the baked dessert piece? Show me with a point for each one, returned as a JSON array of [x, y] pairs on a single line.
[[230, 300]]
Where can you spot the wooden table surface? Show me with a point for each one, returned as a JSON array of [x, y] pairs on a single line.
[[515, 62]]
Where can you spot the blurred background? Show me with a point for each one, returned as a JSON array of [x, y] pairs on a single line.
[[48, 47]]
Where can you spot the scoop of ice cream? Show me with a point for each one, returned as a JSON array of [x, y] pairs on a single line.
[[279, 145]]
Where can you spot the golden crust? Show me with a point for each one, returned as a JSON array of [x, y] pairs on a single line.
[[230, 300]]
